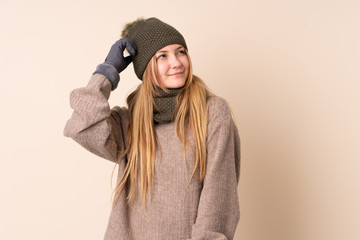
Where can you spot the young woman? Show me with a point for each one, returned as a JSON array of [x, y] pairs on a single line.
[[176, 145]]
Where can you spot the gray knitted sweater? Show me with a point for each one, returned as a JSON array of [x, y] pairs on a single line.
[[178, 210]]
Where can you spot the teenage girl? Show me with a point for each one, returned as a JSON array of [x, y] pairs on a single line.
[[176, 144]]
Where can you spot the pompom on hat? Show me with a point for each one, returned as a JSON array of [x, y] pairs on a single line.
[[149, 36]]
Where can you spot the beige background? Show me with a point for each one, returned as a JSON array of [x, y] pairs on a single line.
[[289, 69]]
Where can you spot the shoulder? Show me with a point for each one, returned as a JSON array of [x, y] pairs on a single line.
[[218, 109], [120, 112], [120, 118]]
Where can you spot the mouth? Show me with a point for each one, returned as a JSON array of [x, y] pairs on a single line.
[[176, 74]]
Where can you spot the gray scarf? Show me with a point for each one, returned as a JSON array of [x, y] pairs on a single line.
[[165, 104]]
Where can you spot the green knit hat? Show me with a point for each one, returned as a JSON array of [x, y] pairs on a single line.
[[149, 36]]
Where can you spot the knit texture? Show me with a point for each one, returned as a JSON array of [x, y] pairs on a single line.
[[150, 36], [177, 209], [165, 104]]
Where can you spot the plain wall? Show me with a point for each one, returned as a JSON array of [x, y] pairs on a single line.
[[289, 70]]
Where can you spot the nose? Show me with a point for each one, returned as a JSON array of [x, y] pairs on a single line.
[[174, 62]]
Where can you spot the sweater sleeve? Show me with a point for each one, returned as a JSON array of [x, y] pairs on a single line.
[[218, 210], [93, 124]]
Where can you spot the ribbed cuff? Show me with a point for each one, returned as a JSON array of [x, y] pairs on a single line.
[[110, 72]]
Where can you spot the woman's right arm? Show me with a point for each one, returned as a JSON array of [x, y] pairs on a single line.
[[93, 125]]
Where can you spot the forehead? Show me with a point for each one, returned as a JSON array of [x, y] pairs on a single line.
[[171, 47]]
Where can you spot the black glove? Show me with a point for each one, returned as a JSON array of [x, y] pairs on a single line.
[[115, 60]]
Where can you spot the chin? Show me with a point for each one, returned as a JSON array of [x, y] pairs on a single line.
[[176, 85]]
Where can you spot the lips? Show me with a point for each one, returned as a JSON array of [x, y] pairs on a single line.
[[176, 74]]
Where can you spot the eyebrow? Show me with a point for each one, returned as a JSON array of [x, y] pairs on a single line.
[[164, 51]]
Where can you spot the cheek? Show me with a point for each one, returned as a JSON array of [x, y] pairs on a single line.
[[162, 68], [186, 63]]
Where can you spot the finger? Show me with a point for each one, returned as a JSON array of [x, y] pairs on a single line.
[[130, 46]]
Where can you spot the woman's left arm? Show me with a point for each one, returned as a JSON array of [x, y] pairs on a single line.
[[218, 211]]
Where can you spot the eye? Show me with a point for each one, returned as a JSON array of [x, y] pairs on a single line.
[[161, 56], [181, 52]]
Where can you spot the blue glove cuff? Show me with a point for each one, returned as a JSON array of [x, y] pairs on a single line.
[[110, 72]]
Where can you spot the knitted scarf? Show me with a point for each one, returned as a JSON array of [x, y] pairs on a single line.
[[165, 104]]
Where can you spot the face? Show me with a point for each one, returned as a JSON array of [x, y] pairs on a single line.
[[172, 66]]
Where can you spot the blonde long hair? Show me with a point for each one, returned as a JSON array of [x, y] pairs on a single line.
[[141, 140]]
